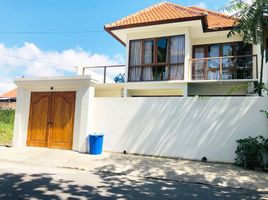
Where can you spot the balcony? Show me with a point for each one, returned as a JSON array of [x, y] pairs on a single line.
[[106, 74], [200, 69], [224, 68]]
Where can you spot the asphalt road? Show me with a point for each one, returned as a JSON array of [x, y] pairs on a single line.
[[21, 181]]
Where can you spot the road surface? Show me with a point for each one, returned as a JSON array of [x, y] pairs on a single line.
[[24, 181]]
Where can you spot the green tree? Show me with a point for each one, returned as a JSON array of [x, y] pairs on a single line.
[[251, 21]]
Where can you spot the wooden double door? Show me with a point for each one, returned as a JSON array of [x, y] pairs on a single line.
[[51, 120]]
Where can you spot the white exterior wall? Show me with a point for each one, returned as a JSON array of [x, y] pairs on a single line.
[[84, 106], [83, 118], [220, 38], [21, 117], [179, 127], [169, 126]]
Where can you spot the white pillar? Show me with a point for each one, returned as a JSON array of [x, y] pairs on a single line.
[[185, 90], [125, 92], [21, 117], [127, 59], [84, 111], [188, 55]]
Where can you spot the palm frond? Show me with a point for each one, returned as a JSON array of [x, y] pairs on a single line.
[[249, 23]]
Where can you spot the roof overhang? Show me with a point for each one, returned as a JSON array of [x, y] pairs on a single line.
[[120, 32], [71, 83]]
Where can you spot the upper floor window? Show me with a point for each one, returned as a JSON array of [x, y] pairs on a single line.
[[222, 50], [157, 59], [222, 61]]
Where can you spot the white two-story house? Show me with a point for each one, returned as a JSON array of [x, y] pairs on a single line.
[[172, 50]]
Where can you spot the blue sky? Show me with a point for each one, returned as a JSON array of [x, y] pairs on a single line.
[[19, 17]]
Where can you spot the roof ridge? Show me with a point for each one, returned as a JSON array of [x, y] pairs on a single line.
[[155, 6], [169, 12], [182, 7], [212, 12]]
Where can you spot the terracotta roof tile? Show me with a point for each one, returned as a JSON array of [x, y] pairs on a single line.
[[10, 94], [215, 19], [167, 12]]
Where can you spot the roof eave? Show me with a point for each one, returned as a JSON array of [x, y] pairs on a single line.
[[112, 34], [203, 19], [152, 23], [219, 29]]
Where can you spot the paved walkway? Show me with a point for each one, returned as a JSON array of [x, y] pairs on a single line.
[[141, 166]]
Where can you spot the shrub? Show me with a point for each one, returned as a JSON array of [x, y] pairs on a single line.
[[7, 115], [6, 125], [265, 112], [249, 152], [265, 145]]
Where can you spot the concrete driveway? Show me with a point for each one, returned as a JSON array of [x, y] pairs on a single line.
[[162, 169]]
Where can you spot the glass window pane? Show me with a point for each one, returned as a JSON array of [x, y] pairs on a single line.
[[160, 73], [134, 73], [227, 74], [227, 50], [244, 65], [177, 49], [199, 65], [176, 72], [214, 51], [148, 48], [214, 75], [199, 52], [243, 48], [147, 74], [161, 50], [135, 52]]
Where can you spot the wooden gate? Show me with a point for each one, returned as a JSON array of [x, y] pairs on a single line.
[[51, 120]]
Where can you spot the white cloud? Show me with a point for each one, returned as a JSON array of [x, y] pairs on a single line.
[[202, 4], [48, 63], [6, 84]]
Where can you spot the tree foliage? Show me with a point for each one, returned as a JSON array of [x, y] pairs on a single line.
[[250, 25]]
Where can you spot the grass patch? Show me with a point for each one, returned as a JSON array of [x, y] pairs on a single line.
[[6, 126]]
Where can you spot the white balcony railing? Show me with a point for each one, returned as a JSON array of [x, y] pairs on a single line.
[[214, 68], [224, 68], [106, 74]]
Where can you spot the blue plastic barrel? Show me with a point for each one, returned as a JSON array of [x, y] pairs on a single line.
[[95, 144]]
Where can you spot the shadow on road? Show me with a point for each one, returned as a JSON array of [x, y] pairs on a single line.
[[217, 174], [111, 186]]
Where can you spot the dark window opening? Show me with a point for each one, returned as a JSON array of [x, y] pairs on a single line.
[[162, 50]]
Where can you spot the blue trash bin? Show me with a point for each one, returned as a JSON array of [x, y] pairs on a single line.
[[95, 144]]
